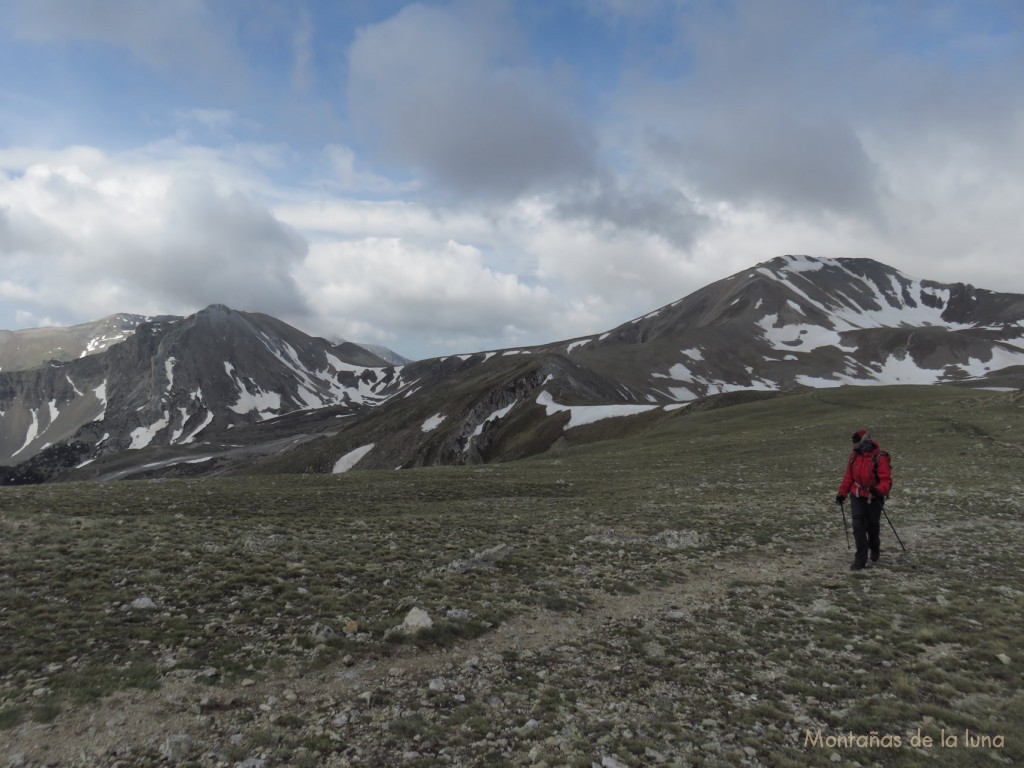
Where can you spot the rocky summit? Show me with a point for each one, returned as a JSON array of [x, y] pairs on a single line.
[[797, 320], [226, 391]]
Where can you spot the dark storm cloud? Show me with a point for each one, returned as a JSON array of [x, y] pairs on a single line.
[[665, 213], [763, 113], [217, 248], [442, 90], [804, 163], [806, 106], [171, 36]]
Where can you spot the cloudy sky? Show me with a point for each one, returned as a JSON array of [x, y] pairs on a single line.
[[445, 177]]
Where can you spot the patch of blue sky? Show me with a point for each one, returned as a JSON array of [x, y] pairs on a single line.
[[961, 34], [84, 93]]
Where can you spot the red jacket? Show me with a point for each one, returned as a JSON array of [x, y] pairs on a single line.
[[860, 473]]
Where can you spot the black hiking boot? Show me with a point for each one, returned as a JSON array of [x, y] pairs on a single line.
[[875, 555], [855, 566]]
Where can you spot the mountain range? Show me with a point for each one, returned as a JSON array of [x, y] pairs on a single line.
[[228, 391]]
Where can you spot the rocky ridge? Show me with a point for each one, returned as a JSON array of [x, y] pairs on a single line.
[[182, 397]]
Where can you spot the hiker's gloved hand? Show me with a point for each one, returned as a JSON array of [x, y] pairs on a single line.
[[875, 493], [840, 498]]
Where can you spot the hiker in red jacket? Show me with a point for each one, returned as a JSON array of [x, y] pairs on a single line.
[[868, 480]]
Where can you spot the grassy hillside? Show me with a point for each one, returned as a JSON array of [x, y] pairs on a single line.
[[675, 597]]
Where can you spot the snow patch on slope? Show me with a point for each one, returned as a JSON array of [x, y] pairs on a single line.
[[803, 264], [903, 370], [143, 436], [498, 414], [100, 343], [801, 336], [588, 414], [192, 435], [252, 398], [31, 433], [905, 302], [432, 423], [350, 459]]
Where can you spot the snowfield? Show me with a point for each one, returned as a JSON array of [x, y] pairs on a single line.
[[588, 414], [350, 459], [432, 423]]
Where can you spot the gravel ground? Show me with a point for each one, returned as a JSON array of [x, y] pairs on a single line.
[[767, 657]]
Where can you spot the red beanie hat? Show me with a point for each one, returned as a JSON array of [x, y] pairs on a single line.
[[859, 435]]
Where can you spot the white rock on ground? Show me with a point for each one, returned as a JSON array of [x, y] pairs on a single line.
[[416, 620]]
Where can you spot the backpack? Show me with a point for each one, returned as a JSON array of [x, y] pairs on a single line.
[[874, 465]]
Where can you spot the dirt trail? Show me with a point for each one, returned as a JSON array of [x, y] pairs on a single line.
[[136, 722]]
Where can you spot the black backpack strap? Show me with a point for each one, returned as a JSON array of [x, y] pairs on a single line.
[[874, 462]]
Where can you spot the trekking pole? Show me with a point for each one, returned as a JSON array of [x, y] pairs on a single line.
[[893, 528], [842, 507]]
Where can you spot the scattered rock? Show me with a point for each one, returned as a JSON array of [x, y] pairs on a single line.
[[655, 650], [821, 605], [494, 554], [610, 539], [416, 621], [142, 604], [438, 684], [653, 754], [676, 539], [321, 633], [481, 561], [176, 748]]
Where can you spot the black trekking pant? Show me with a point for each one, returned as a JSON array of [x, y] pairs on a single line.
[[867, 523]]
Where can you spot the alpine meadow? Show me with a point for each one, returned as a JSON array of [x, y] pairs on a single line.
[[580, 578]]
